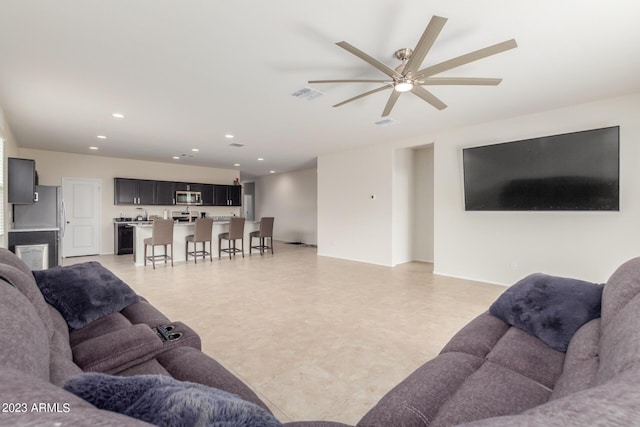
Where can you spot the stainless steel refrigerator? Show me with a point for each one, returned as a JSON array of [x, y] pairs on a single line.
[[43, 215]]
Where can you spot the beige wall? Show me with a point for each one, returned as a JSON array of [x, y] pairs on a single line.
[[292, 199], [53, 166]]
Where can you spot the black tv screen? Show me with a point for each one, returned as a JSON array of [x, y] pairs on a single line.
[[576, 171]]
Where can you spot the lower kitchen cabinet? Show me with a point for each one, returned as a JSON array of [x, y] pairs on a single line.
[[123, 239], [46, 237]]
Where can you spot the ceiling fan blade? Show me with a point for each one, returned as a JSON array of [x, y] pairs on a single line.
[[362, 95], [467, 58], [424, 44], [350, 81], [479, 81], [369, 59], [429, 97], [390, 103]]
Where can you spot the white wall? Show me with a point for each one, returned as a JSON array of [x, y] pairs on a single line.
[[498, 247], [403, 205], [351, 224], [291, 198], [10, 150], [422, 236], [53, 166], [502, 247]]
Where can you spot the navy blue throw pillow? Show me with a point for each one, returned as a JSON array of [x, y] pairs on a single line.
[[549, 307], [84, 292]]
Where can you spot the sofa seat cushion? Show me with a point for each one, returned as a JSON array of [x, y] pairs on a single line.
[[549, 307], [488, 369], [84, 292], [161, 400], [417, 400]]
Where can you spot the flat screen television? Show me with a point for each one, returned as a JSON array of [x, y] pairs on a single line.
[[577, 171]]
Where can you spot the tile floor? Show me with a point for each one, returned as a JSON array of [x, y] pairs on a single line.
[[317, 338]]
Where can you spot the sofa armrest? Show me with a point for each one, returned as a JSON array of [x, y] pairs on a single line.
[[121, 349]]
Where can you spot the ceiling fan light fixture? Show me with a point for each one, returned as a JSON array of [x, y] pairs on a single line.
[[403, 85]]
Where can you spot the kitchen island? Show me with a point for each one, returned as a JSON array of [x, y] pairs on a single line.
[[142, 230]]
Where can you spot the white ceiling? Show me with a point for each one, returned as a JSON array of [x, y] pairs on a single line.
[[187, 72]]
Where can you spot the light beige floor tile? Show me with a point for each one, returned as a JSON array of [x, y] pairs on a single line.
[[317, 338]]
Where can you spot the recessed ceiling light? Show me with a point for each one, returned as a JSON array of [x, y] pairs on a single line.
[[260, 159], [195, 149], [176, 157], [93, 148], [228, 135], [102, 137], [117, 116], [272, 171], [236, 164]]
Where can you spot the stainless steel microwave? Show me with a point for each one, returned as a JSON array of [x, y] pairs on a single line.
[[188, 198]]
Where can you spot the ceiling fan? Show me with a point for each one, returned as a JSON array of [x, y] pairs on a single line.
[[408, 78]]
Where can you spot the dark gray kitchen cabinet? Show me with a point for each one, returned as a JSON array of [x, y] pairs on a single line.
[[228, 195], [21, 177], [207, 194], [134, 191], [165, 193], [45, 237], [187, 186]]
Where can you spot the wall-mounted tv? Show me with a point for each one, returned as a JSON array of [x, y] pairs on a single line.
[[577, 171]]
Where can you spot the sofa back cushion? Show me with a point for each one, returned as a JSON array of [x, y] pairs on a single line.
[[581, 361], [9, 258], [26, 284], [25, 341], [619, 347]]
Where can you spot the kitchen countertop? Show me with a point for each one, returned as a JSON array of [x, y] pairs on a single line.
[[28, 228], [181, 223]]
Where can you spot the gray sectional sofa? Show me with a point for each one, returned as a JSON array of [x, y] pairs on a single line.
[[489, 374]]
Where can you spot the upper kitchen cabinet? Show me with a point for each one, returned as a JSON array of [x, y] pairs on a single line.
[[134, 191], [186, 186], [165, 193], [207, 194], [21, 176], [228, 195]]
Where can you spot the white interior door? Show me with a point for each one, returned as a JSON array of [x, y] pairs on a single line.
[[83, 206]]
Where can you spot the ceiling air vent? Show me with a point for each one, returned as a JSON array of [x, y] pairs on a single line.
[[386, 122], [235, 144], [307, 93]]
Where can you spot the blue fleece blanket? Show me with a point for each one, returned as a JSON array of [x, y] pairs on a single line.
[[167, 402]]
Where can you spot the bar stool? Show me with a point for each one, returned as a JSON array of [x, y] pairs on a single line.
[[266, 231], [202, 234], [161, 234], [236, 231]]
